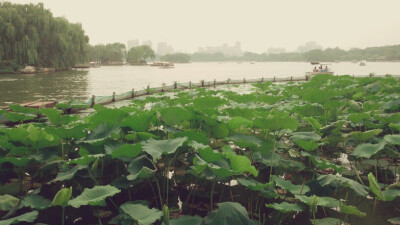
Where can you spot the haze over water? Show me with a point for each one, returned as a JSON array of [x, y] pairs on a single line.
[[103, 81]]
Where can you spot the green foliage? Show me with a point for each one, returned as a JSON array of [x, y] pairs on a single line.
[[27, 217], [32, 36], [139, 54], [228, 213], [62, 197], [141, 167], [156, 148], [176, 58], [285, 207], [192, 145], [94, 196], [141, 213], [7, 202]]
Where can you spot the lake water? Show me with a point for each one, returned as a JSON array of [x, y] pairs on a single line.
[[17, 88]]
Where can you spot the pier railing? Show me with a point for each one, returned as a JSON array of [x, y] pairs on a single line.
[[103, 100]]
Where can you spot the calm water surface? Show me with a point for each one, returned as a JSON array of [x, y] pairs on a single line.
[[107, 79]]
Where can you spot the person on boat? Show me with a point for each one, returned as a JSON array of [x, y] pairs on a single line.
[[320, 68]]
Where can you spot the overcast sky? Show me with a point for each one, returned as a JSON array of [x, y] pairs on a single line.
[[257, 24]]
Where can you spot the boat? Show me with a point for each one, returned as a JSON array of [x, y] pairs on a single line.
[[362, 63], [320, 68], [163, 65]]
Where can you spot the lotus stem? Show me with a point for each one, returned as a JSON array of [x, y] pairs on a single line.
[[159, 191], [212, 193], [63, 215]]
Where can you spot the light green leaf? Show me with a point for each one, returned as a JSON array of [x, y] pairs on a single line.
[[68, 174], [285, 207], [394, 220], [351, 210], [174, 115], [220, 131], [86, 160], [363, 136], [327, 221], [7, 202], [185, 220], [141, 213], [228, 213], [141, 167], [36, 202], [368, 150], [62, 197], [127, 150], [158, 147], [27, 217], [307, 145], [292, 188], [392, 139], [374, 187], [94, 196]]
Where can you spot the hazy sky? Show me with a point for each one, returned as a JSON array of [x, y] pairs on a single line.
[[257, 24]]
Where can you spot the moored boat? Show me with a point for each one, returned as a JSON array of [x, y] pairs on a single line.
[[320, 68]]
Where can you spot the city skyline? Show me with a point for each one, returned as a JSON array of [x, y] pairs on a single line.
[[258, 25]]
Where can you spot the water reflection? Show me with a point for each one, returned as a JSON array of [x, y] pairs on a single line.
[[17, 88]]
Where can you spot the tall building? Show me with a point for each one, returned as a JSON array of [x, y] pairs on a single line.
[[163, 48], [148, 43], [131, 44], [235, 50]]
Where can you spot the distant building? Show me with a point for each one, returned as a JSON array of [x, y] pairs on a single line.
[[308, 46], [131, 44], [235, 50], [275, 50], [148, 43], [163, 48]]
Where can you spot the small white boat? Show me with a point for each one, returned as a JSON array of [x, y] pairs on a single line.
[[320, 68]]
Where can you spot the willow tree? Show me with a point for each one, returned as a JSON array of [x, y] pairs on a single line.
[[30, 35]]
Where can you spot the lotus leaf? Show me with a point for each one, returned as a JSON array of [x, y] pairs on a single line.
[[27, 217], [94, 196], [285, 207], [292, 188], [156, 148], [141, 167], [7, 202], [62, 197], [228, 213], [368, 150], [36, 202], [141, 212]]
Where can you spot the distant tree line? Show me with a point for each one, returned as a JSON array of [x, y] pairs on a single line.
[[113, 53], [176, 58], [138, 55], [385, 53], [30, 35]]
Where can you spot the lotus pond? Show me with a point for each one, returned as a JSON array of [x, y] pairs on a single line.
[[319, 152]]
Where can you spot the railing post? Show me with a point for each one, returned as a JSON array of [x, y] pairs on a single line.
[[190, 84], [306, 78], [291, 78], [262, 79], [229, 79], [244, 80], [133, 92], [175, 85], [93, 101], [113, 97], [215, 82], [274, 79], [202, 83], [163, 87], [148, 89]]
